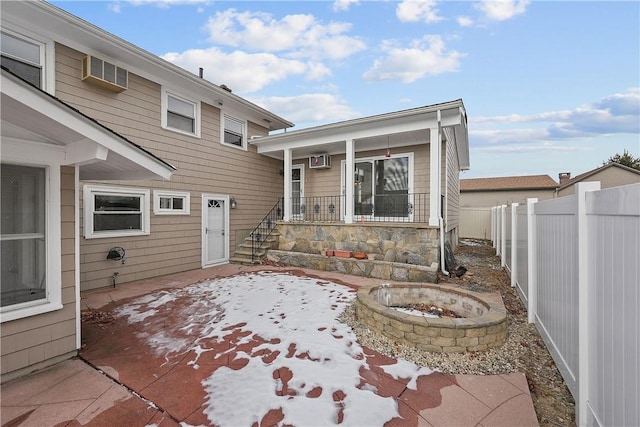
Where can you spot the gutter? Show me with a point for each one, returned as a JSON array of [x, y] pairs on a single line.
[[440, 219]]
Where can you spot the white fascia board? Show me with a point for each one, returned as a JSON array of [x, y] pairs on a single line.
[[65, 116], [90, 39]]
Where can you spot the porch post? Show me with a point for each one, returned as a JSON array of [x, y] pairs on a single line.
[[348, 181], [287, 185], [435, 139]]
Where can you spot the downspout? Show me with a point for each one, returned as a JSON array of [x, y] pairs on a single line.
[[76, 256], [440, 218]]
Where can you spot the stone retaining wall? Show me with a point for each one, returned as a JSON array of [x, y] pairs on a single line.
[[395, 271], [441, 335], [390, 242]]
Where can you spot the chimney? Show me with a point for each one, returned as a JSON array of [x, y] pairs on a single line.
[[564, 177], [200, 72]]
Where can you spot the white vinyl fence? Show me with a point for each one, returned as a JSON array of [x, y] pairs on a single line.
[[575, 262], [475, 223]]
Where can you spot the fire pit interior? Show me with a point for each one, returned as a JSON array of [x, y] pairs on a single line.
[[481, 325]]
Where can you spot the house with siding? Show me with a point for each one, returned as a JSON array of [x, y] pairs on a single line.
[[504, 190], [128, 167], [610, 175]]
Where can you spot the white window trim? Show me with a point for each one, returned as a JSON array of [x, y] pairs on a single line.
[[157, 210], [223, 118], [164, 104], [47, 56], [49, 157], [88, 206]]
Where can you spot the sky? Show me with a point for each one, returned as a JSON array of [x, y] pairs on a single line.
[[548, 86], [296, 320]]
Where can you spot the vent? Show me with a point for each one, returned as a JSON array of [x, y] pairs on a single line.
[[105, 74], [320, 161]]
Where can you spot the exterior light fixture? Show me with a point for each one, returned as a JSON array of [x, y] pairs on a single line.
[[232, 203]]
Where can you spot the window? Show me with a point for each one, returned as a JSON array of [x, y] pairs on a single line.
[[180, 114], [171, 203], [23, 234], [30, 265], [23, 57], [234, 133], [113, 212]]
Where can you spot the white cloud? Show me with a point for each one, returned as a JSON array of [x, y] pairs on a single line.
[[114, 7], [343, 5], [418, 10], [617, 113], [464, 21], [167, 3], [243, 72], [502, 10], [297, 36], [427, 56], [308, 108]]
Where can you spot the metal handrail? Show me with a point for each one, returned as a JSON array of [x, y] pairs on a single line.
[[265, 227], [399, 207]]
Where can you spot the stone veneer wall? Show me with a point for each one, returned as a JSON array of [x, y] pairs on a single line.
[[390, 242], [395, 271]]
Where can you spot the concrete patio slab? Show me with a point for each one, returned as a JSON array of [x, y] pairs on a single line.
[[126, 381]]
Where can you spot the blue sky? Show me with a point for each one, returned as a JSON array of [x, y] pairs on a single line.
[[548, 86]]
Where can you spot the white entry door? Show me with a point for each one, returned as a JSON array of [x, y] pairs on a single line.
[[215, 229]]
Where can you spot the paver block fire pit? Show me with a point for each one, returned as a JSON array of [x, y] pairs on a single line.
[[482, 325]]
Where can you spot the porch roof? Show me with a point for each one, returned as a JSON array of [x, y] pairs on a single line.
[[30, 115], [395, 129]]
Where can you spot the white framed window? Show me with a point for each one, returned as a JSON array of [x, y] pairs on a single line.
[[234, 132], [30, 231], [29, 58], [180, 114], [115, 212], [171, 202]]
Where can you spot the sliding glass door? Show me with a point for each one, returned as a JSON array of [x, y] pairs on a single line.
[[381, 188]]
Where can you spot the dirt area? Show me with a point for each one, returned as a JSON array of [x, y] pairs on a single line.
[[553, 402]]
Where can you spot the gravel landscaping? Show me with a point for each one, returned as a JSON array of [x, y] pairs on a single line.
[[523, 351]]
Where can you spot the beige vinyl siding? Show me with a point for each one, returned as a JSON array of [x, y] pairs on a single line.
[[610, 177], [453, 186], [38, 341], [479, 199], [327, 182], [204, 165]]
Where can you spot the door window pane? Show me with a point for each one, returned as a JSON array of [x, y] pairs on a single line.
[[23, 234]]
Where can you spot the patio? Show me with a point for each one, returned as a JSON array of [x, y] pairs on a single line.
[[237, 352]]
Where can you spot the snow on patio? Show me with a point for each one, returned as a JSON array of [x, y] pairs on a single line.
[[293, 354]]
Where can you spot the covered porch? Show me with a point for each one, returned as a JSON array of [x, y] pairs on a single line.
[[376, 185], [398, 174]]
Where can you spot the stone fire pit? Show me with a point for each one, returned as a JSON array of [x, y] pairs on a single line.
[[482, 325]]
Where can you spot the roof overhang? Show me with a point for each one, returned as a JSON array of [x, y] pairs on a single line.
[[396, 129], [31, 116], [56, 24]]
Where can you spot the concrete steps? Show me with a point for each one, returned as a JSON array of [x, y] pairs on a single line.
[[243, 254]]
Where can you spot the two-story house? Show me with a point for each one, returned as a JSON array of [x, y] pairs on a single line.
[[118, 165]]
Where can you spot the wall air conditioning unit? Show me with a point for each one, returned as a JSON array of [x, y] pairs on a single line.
[[320, 161], [104, 74]]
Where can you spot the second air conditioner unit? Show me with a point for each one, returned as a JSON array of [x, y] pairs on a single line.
[[320, 161], [105, 74]]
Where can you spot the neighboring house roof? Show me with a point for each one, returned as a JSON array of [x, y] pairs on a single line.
[[509, 183], [29, 113], [592, 172], [389, 130], [69, 30]]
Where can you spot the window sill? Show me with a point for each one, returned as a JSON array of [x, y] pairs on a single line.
[[181, 132], [106, 235], [237, 147], [8, 314]]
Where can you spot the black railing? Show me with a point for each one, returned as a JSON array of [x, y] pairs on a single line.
[[390, 207], [264, 229]]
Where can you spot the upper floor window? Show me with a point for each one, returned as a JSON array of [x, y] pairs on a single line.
[[180, 114], [234, 132], [23, 57], [114, 211]]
